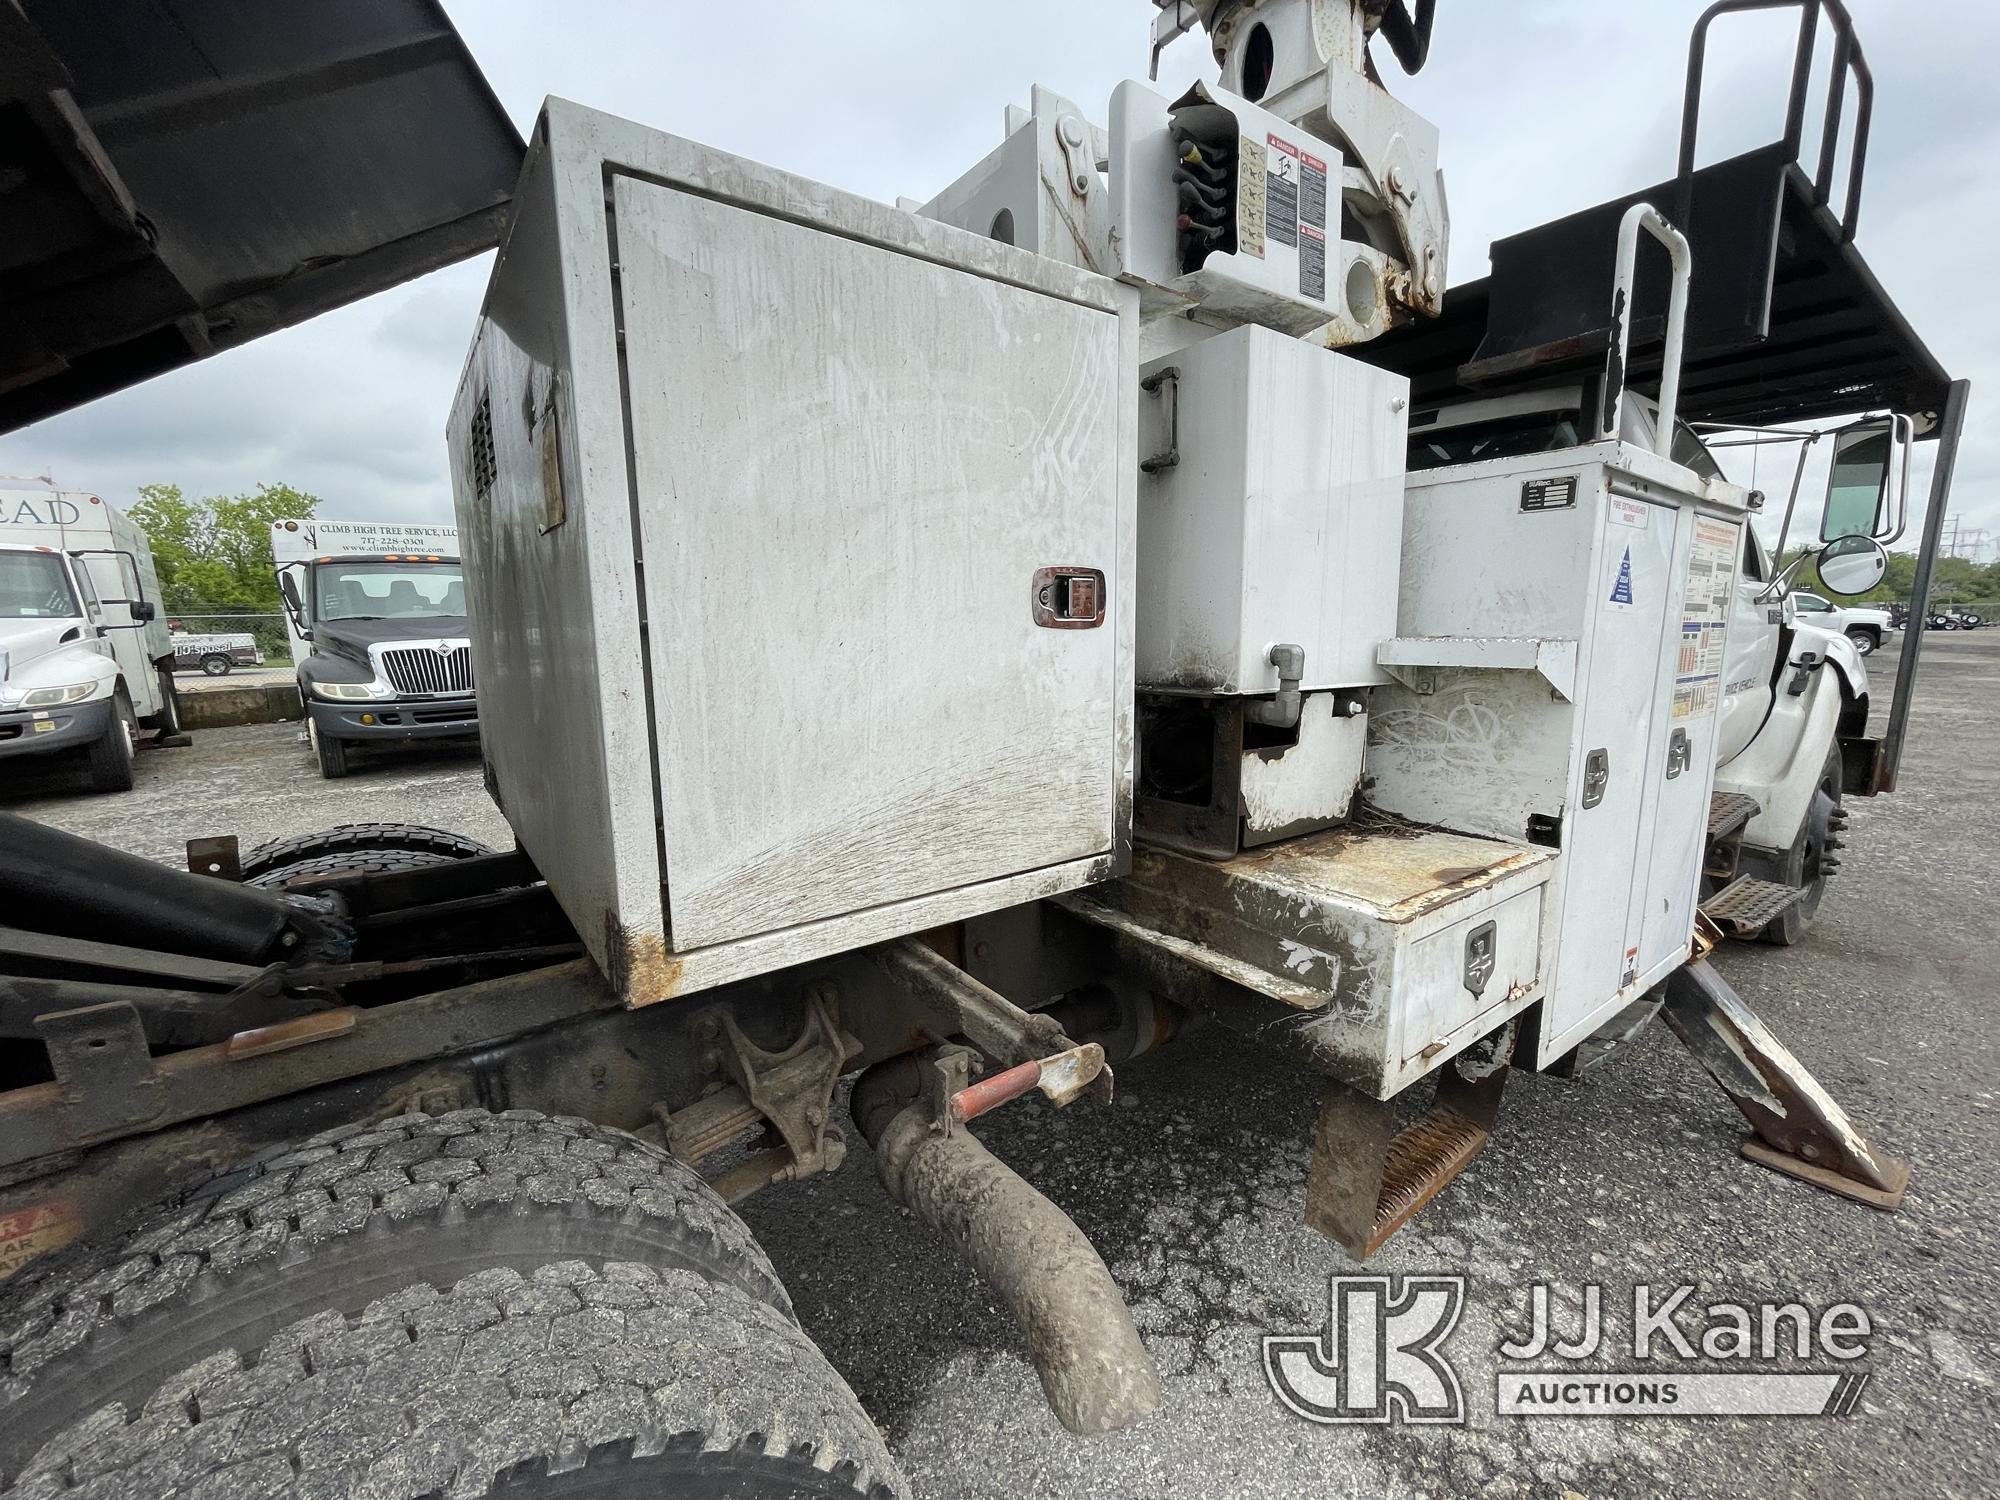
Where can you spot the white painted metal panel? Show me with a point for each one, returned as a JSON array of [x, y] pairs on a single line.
[[1513, 570], [571, 613], [1433, 1000], [1606, 856], [848, 466], [1282, 520], [1710, 548]]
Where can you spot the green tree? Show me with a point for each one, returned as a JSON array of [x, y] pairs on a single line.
[[216, 552]]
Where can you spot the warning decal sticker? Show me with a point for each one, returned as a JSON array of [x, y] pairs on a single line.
[[1281, 206], [1705, 618], [35, 1230], [1634, 513], [1250, 195], [1312, 263]]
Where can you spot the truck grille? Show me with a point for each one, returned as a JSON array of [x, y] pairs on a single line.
[[425, 669]]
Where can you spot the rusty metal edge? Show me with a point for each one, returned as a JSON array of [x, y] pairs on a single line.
[[40, 1121]]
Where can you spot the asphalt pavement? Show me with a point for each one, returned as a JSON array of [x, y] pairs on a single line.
[[1191, 1185]]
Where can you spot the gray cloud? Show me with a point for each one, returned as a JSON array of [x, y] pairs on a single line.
[[1545, 106]]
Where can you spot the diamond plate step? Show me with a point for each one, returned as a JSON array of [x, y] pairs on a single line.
[[1728, 812], [1368, 1178], [1747, 906], [1423, 1157]]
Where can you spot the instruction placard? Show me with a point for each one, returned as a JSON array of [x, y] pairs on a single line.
[[1251, 196], [1711, 580]]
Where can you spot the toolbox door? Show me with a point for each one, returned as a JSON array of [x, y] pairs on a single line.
[[876, 506]]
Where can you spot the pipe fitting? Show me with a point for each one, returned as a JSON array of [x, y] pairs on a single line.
[[1281, 712]]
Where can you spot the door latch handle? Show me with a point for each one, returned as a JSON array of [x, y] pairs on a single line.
[[1679, 753], [1596, 776], [1066, 598]]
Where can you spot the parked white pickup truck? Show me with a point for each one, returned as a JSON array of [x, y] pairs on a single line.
[[1862, 624]]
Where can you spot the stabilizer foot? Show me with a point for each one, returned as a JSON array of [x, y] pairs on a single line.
[[1800, 1130]]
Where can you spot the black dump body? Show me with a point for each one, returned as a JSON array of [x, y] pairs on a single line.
[[178, 177]]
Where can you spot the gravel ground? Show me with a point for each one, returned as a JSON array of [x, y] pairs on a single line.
[[1191, 1186]]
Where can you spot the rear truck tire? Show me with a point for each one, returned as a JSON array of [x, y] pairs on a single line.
[[1865, 641], [1801, 867], [332, 754], [354, 862], [348, 838], [215, 664], [322, 1229], [167, 722], [110, 756], [561, 1381]]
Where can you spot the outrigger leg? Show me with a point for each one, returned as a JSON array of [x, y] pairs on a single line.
[[1799, 1130]]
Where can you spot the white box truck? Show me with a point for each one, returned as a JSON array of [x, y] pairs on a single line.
[[375, 613], [85, 660]]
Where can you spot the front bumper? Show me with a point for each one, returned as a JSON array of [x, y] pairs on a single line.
[[395, 719], [70, 727]]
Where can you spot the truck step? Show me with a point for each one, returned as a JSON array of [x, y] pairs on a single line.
[[1728, 812], [1745, 907], [1425, 1155], [1369, 1179]]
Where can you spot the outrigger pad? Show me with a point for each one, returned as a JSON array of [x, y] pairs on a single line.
[[1800, 1131]]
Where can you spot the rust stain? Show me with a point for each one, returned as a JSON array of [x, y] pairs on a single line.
[[645, 970]]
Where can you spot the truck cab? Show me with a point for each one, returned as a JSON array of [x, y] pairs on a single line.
[[61, 686], [383, 655]]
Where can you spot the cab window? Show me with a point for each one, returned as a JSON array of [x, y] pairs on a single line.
[[1504, 437], [35, 586], [1753, 557], [87, 586], [1812, 604]]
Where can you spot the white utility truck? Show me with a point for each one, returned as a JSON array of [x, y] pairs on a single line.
[[375, 614], [941, 647], [85, 660]]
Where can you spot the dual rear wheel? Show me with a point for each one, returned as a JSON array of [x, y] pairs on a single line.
[[468, 1303]]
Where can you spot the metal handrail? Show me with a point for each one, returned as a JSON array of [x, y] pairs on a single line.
[[1616, 361], [1847, 60]]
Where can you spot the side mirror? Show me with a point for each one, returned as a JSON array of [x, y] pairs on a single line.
[[1858, 484], [144, 612], [1852, 566], [288, 585]]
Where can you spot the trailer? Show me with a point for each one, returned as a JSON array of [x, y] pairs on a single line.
[[1072, 654]]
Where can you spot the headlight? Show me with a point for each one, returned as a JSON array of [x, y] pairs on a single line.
[[54, 697], [351, 692]]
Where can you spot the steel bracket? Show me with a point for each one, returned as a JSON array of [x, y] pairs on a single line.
[[792, 1089], [1798, 1129], [216, 855], [103, 1067]]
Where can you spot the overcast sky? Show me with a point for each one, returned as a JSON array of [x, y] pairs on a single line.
[[1545, 106]]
